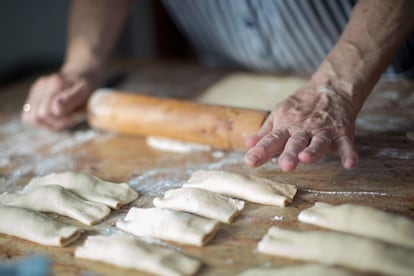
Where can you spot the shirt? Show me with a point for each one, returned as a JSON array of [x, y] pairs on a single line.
[[282, 36]]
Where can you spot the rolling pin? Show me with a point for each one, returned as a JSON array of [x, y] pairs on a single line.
[[218, 126]]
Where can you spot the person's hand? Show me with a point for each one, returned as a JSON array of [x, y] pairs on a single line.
[[303, 128], [53, 99]]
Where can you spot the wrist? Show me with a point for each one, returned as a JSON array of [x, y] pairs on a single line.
[[343, 78], [83, 59], [90, 72]]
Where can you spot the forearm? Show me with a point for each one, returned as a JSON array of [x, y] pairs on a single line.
[[94, 26], [366, 48]]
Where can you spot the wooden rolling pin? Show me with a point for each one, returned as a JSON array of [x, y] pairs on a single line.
[[218, 126]]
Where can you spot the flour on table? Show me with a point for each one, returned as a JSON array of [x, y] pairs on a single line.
[[128, 252], [168, 225], [177, 146], [201, 202], [251, 188], [361, 220], [56, 199], [88, 187], [36, 227], [339, 249]]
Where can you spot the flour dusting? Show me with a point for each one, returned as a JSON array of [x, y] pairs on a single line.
[[157, 181], [26, 152]]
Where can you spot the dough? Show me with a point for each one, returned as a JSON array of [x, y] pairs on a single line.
[[171, 145], [56, 199], [361, 220], [201, 202], [128, 252], [168, 225], [88, 187], [250, 188], [36, 227], [339, 249], [248, 90], [297, 270]]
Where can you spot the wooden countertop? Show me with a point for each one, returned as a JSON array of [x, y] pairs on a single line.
[[384, 177]]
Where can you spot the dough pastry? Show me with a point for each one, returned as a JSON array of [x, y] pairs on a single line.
[[56, 199], [339, 249], [171, 145], [201, 202], [236, 90], [128, 252], [168, 225], [297, 270], [36, 227], [361, 220], [250, 188], [88, 187]]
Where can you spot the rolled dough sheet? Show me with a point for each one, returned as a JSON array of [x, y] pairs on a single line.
[[56, 199], [297, 270], [88, 187], [251, 90], [171, 145], [201, 202], [168, 225], [361, 220], [128, 252], [339, 249], [36, 227], [250, 188]]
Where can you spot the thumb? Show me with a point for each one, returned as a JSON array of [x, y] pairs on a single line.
[[71, 98], [264, 129]]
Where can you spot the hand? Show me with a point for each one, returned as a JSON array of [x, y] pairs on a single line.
[[303, 128], [53, 99]]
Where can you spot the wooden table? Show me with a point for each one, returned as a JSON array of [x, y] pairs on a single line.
[[384, 177]]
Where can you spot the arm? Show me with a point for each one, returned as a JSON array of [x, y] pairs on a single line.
[[320, 117], [94, 26]]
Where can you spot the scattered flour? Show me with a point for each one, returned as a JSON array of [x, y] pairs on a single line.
[[279, 218], [26, 151]]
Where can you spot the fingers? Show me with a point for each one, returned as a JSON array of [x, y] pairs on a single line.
[[252, 140], [268, 146], [36, 113], [316, 123], [318, 147], [346, 150], [48, 121], [51, 101], [265, 129], [300, 147], [70, 98], [288, 160]]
